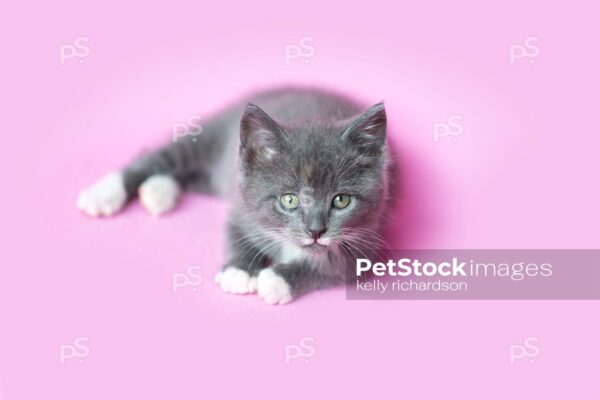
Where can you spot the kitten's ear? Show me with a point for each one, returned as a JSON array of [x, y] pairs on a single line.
[[259, 135], [368, 131]]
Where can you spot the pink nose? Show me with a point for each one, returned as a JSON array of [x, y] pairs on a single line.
[[316, 233]]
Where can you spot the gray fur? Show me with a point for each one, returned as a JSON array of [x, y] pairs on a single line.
[[308, 142]]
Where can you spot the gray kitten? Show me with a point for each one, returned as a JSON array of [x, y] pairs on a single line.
[[309, 173]]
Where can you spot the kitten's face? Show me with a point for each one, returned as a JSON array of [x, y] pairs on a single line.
[[319, 188]]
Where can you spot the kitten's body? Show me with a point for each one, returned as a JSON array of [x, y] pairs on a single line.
[[311, 144]]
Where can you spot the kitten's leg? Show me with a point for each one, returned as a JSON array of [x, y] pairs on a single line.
[[239, 274], [201, 163], [149, 177], [250, 268], [246, 258], [283, 282]]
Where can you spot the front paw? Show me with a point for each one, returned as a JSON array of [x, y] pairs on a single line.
[[273, 288], [235, 280]]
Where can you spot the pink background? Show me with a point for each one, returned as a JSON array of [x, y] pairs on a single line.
[[523, 175]]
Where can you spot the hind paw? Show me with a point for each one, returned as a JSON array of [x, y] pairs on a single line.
[[105, 197], [159, 193]]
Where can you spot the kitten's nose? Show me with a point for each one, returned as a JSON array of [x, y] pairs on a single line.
[[316, 233]]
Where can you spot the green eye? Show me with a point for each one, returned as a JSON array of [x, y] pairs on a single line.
[[341, 201], [289, 201]]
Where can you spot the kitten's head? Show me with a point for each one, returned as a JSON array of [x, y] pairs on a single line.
[[318, 186]]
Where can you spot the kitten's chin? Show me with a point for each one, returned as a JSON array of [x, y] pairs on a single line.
[[315, 249]]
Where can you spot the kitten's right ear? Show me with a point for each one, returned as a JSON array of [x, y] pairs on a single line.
[[259, 135]]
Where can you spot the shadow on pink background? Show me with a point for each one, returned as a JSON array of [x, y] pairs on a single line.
[[524, 174]]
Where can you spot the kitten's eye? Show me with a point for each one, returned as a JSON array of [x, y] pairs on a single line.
[[341, 201], [289, 201]]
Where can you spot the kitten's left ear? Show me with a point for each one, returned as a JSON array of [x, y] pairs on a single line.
[[368, 131]]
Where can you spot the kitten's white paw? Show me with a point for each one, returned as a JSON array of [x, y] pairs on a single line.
[[159, 193], [105, 197], [273, 288], [235, 280]]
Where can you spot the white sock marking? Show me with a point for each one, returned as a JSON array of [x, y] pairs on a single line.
[[273, 288], [105, 197], [235, 280], [159, 193]]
